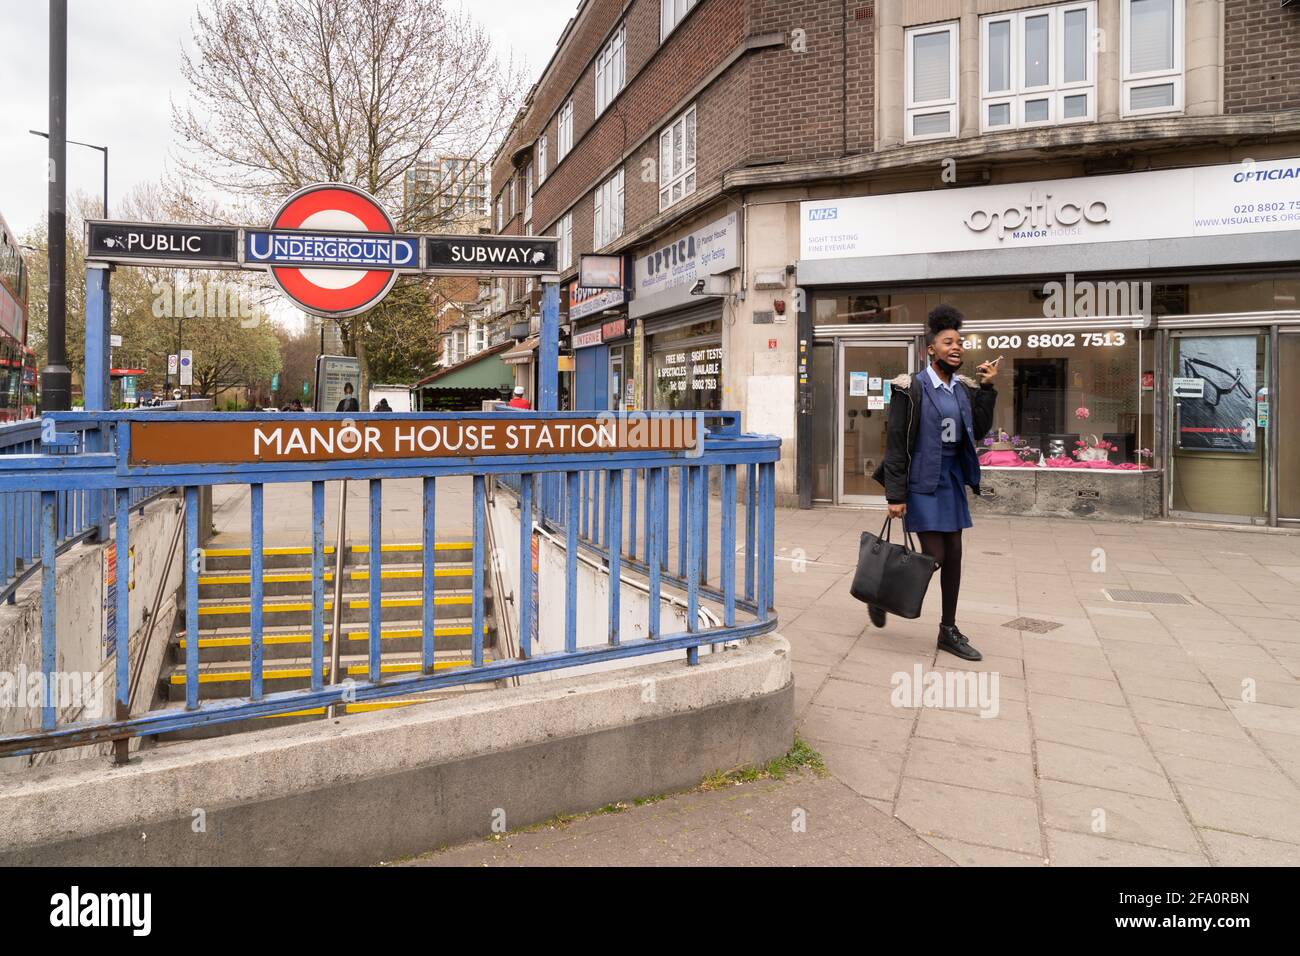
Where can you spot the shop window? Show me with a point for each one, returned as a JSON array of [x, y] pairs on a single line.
[[671, 13], [1067, 398], [677, 159], [686, 368], [607, 214], [1038, 67], [610, 70], [564, 132], [931, 82], [1153, 57]]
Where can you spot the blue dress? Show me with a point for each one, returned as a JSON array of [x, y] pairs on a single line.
[[947, 508]]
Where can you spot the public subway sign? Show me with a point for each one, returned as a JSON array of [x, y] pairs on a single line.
[[492, 255], [394, 437], [331, 248], [147, 243]]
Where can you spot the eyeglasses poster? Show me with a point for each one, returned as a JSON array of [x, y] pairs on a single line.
[[1222, 416]]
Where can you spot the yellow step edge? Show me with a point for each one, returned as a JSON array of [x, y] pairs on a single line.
[[247, 640], [302, 578], [360, 604], [360, 707], [329, 549], [285, 673]]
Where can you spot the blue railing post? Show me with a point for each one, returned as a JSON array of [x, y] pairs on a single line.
[[376, 580], [49, 609], [480, 505], [317, 583], [193, 565], [728, 545], [571, 566], [614, 522], [526, 566], [96, 387], [122, 637], [655, 527], [428, 617], [255, 590]]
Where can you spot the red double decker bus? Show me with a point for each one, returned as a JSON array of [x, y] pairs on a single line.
[[18, 380]]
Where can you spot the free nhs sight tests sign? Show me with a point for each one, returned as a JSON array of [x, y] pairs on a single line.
[[1232, 199]]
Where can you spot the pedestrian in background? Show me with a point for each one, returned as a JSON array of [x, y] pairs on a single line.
[[348, 403], [519, 401], [931, 458]]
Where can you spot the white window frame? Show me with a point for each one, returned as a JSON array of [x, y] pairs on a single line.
[[500, 207], [1174, 76], [671, 13], [564, 231], [607, 211], [914, 108], [564, 132], [541, 159], [1057, 89], [670, 175], [510, 199], [528, 193], [611, 69]]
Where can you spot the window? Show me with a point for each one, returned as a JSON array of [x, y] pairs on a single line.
[[500, 207], [1038, 67], [610, 66], [564, 135], [607, 215], [1153, 57], [671, 13], [541, 160], [510, 199], [564, 231], [477, 336], [931, 82], [528, 194], [677, 159]]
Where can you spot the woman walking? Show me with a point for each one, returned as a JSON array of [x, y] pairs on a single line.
[[935, 417]]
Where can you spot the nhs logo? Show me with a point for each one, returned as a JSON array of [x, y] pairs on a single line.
[[822, 215]]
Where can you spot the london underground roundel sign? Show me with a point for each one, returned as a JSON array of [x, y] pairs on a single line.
[[332, 249]]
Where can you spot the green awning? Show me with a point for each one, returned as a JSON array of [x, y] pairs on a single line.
[[487, 371]]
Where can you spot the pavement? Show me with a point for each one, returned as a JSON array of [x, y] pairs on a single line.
[[1095, 731]]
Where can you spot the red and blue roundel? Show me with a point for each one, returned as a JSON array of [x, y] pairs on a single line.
[[332, 249]]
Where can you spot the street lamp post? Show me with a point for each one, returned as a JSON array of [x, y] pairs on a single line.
[[56, 377], [102, 149]]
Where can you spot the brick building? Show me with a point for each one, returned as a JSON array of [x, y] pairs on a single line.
[[793, 186]]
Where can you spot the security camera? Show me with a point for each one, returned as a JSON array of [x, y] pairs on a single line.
[[698, 288]]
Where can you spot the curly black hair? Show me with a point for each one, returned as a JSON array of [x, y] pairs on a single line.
[[941, 319]]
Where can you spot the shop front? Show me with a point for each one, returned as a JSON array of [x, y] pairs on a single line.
[[1143, 343], [603, 371], [682, 317]]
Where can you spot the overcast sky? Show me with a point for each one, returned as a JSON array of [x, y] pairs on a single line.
[[123, 74]]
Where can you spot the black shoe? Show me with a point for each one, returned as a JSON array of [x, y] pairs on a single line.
[[954, 642], [877, 615]]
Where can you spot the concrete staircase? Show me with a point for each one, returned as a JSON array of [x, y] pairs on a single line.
[[225, 612]]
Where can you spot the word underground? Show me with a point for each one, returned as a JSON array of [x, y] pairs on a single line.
[[368, 251], [103, 909], [65, 690], [946, 689]]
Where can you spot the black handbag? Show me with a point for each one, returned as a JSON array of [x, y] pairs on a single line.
[[892, 576]]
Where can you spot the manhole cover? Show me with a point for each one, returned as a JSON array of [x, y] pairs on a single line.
[[1031, 624], [1126, 596]]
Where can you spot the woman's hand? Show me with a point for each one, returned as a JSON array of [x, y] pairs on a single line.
[[987, 371], [898, 510]]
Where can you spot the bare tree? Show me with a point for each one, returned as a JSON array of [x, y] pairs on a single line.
[[285, 93]]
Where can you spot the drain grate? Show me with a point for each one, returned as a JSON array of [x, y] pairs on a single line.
[[1126, 596], [1032, 624]]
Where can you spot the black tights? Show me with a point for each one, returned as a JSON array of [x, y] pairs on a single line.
[[945, 547]]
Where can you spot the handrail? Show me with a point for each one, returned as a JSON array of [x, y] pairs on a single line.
[[336, 626], [621, 485]]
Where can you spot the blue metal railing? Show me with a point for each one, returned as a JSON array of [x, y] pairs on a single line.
[[80, 514], [550, 492]]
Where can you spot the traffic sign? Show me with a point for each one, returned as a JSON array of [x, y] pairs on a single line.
[[173, 363], [332, 249], [187, 367]]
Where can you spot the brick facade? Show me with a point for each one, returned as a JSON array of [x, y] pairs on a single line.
[[1261, 56]]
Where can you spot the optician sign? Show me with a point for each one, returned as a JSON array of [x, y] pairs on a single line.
[[331, 248], [1246, 197], [664, 276], [393, 437]]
